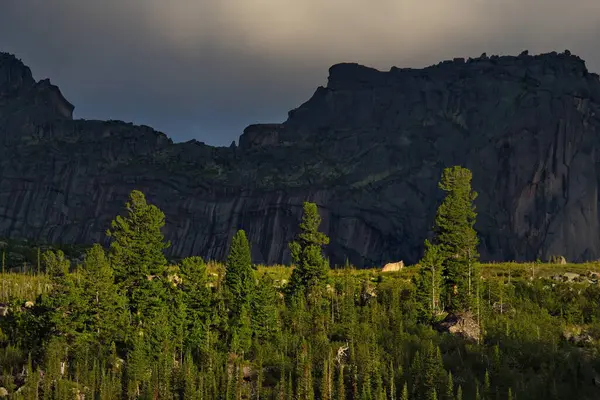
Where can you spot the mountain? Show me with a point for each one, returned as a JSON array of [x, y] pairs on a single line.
[[368, 148]]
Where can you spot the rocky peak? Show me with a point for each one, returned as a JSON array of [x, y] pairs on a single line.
[[50, 95], [260, 135], [27, 106], [354, 76], [14, 75]]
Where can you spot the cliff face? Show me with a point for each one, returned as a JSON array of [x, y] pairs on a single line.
[[368, 149]]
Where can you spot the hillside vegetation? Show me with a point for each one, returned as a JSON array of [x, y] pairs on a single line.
[[125, 323]]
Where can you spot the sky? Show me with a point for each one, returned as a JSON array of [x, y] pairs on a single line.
[[206, 69]]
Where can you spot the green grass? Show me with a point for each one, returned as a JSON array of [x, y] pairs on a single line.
[[537, 270], [22, 286], [29, 286]]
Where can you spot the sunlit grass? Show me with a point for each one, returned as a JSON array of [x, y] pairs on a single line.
[[22, 286], [29, 286]]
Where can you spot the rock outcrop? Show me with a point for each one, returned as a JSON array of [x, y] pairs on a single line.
[[461, 324], [368, 148], [393, 267]]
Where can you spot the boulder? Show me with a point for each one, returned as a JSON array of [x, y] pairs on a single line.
[[571, 276], [391, 267], [558, 260], [460, 324]]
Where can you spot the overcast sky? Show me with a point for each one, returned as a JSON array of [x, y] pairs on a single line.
[[205, 69]]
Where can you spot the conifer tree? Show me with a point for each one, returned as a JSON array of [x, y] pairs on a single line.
[[65, 305], [392, 383], [326, 381], [487, 389], [281, 385], [340, 387], [136, 250], [455, 234], [429, 281], [106, 318], [416, 370], [136, 255], [57, 265], [304, 386], [239, 274], [239, 287], [311, 266], [404, 395], [459, 393], [264, 309], [196, 297], [433, 371], [450, 387]]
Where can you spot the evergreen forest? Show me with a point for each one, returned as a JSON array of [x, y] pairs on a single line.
[[126, 323]]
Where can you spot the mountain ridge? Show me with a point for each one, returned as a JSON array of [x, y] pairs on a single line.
[[368, 149]]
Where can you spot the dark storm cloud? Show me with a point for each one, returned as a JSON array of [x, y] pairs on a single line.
[[205, 69]]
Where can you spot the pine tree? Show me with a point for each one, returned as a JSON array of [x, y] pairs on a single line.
[[429, 282], [281, 386], [138, 371], [487, 388], [392, 383], [136, 250], [239, 274], [459, 393], [260, 373], [242, 332], [341, 388], [450, 387], [197, 298], [311, 267], [304, 387], [416, 370], [455, 234], [432, 370], [404, 395], [264, 309], [136, 254], [106, 318], [57, 265], [326, 384], [65, 305]]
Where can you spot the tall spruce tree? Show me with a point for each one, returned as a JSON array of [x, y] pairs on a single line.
[[106, 316], [136, 250], [136, 255], [429, 282], [239, 288], [311, 266], [66, 308], [239, 274], [197, 297], [455, 235], [264, 309]]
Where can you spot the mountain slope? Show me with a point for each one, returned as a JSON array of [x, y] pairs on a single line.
[[368, 149]]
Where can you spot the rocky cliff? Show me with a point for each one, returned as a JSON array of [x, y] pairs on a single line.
[[368, 149]]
